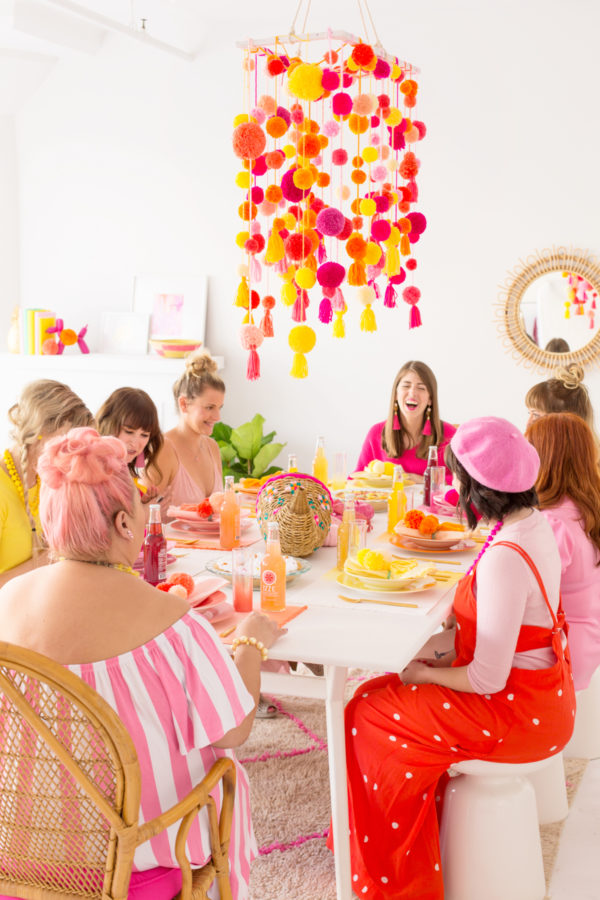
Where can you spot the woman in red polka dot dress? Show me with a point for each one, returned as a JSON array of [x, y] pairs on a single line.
[[504, 693]]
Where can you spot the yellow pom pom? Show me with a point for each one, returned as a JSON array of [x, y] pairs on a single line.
[[305, 278], [299, 366], [339, 330], [396, 73], [241, 119], [289, 151], [302, 339], [367, 320], [366, 295], [303, 178], [306, 81], [289, 273], [289, 220], [288, 294], [242, 237], [350, 64], [368, 207], [374, 560], [373, 254], [360, 556], [394, 117], [394, 238], [242, 179], [370, 154]]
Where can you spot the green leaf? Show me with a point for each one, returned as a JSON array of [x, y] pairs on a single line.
[[222, 432], [264, 457], [268, 438], [227, 453], [247, 438]]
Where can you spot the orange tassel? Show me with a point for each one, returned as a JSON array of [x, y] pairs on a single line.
[[357, 274], [404, 245]]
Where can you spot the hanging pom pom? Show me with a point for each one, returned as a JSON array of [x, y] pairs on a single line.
[[412, 295], [414, 319], [321, 254], [357, 274], [390, 297], [255, 269], [330, 274], [300, 306], [242, 297], [409, 166], [325, 311], [266, 324], [339, 330], [252, 337], [275, 248], [366, 296], [249, 140], [337, 301], [392, 262], [301, 339], [405, 245]]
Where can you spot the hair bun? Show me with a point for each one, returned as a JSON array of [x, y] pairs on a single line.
[[81, 456], [200, 363], [570, 376]]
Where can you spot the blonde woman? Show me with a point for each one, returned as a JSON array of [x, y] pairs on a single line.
[[45, 408], [188, 468], [562, 393]]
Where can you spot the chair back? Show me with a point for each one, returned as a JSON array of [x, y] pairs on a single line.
[[69, 785]]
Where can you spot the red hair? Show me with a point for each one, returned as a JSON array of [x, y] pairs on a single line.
[[568, 467]]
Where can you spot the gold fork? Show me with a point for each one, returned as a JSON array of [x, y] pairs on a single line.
[[384, 602]]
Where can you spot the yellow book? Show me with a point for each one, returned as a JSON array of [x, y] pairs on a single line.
[[43, 320]]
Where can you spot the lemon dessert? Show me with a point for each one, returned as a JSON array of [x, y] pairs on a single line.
[[372, 564]]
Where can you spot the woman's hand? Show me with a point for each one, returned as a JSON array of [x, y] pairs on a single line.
[[149, 495], [259, 626], [416, 672]]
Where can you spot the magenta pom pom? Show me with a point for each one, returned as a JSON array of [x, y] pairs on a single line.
[[321, 255], [347, 79], [397, 141], [399, 278], [418, 223], [325, 311], [331, 80], [339, 157], [374, 121], [411, 264], [260, 166], [249, 140], [382, 203], [341, 105], [257, 194], [381, 230], [285, 114], [330, 221], [330, 274], [421, 128], [382, 69], [289, 189]]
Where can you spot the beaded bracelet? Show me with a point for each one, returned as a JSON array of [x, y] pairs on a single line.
[[250, 642]]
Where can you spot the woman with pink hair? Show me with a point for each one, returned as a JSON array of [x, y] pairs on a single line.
[[150, 656]]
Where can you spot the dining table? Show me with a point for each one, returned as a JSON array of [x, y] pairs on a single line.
[[342, 634]]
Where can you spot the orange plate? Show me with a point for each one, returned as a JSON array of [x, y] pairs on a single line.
[[398, 541]]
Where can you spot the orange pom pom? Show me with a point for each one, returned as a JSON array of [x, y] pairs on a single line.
[[276, 126], [413, 518], [68, 337], [247, 211], [357, 274], [358, 124], [358, 177], [309, 146], [273, 193], [356, 246], [323, 179], [429, 525]]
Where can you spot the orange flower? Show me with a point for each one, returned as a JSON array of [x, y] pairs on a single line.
[[429, 525], [413, 518]]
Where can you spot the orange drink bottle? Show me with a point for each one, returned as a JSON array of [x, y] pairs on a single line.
[[155, 549], [319, 465], [229, 530], [272, 573]]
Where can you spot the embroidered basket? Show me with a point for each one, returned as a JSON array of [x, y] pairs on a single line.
[[301, 506]]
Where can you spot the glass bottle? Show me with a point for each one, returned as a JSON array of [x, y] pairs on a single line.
[[432, 460], [292, 463], [229, 523], [396, 500], [272, 573], [319, 465], [155, 549], [345, 529]]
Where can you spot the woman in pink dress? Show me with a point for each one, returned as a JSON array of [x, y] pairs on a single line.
[[188, 467], [158, 663], [413, 424], [568, 488]]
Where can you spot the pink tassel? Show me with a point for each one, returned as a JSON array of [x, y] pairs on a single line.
[[329, 292], [266, 324], [375, 287], [427, 427], [325, 311], [414, 319], [414, 190], [337, 301], [280, 267], [390, 296], [321, 254], [299, 307], [255, 270], [253, 370]]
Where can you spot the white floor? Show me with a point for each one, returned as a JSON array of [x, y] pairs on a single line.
[[575, 875]]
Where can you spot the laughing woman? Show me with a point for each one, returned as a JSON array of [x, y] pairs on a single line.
[[413, 424]]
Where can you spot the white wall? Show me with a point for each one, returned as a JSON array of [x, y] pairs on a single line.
[[125, 168], [9, 218]]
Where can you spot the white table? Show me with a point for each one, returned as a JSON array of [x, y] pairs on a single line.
[[339, 635]]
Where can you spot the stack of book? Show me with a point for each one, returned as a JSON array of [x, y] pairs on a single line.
[[33, 329]]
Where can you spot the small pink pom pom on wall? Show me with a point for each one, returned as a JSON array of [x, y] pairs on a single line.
[[412, 295], [252, 337]]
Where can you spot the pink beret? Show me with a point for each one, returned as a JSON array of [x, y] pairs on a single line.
[[496, 454]]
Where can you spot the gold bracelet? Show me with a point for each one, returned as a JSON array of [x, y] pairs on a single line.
[[250, 642]]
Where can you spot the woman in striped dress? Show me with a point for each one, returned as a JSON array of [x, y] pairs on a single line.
[[158, 663]]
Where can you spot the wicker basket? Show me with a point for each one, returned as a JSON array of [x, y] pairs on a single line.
[[301, 506]]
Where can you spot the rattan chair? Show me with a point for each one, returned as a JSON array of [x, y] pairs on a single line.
[[70, 792]]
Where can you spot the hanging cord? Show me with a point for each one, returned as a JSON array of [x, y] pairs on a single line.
[[362, 18], [293, 25], [366, 5]]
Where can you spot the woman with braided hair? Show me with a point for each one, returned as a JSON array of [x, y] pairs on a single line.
[[44, 409]]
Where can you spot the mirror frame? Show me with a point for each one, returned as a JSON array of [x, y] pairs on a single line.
[[514, 338]]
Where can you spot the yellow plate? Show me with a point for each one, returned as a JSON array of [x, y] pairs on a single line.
[[411, 586]]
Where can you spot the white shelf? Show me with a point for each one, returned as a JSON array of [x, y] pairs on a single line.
[[95, 362]]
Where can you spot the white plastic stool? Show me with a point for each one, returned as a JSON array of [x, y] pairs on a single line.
[[489, 835], [550, 791], [585, 741]]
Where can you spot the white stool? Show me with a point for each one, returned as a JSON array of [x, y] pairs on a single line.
[[585, 741], [550, 791], [489, 835]]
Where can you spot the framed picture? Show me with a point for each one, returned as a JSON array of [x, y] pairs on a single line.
[[125, 332], [176, 305]]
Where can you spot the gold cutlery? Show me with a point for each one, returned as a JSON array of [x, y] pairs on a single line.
[[224, 634], [425, 559], [383, 602]]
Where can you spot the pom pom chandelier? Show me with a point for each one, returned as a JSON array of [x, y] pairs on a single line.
[[329, 180]]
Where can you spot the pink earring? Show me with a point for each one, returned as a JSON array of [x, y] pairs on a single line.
[[129, 534]]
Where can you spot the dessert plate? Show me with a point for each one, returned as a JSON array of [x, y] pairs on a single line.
[[350, 583]]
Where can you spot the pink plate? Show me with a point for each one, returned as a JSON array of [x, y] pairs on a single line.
[[204, 589], [203, 527], [188, 515]]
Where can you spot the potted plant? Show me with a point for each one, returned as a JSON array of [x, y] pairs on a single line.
[[245, 451]]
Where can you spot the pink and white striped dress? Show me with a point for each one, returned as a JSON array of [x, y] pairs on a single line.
[[175, 695]]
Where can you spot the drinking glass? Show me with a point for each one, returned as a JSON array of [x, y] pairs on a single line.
[[242, 561], [358, 536], [438, 486], [338, 477]]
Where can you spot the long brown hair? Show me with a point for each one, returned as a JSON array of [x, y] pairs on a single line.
[[132, 408], [396, 440], [568, 467]]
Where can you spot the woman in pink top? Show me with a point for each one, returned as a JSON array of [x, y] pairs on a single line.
[[412, 426], [188, 467], [158, 663], [568, 488]]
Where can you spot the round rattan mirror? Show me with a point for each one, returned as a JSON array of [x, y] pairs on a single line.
[[546, 310]]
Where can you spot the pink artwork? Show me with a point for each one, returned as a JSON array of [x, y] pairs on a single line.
[[167, 315]]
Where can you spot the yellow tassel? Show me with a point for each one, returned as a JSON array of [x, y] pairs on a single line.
[[567, 309], [367, 319], [288, 294], [580, 309], [242, 297], [339, 329], [299, 366], [246, 319], [357, 274], [404, 245], [275, 249], [392, 262]]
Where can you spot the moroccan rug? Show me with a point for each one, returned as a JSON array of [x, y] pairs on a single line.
[[286, 760]]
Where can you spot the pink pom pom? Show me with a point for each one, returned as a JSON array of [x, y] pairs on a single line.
[[337, 301], [346, 231], [420, 126], [325, 311], [341, 105], [330, 274], [249, 140], [284, 114], [414, 190], [259, 114], [321, 255], [381, 230], [411, 295], [330, 221], [363, 105], [418, 223], [347, 79], [382, 69], [375, 121], [289, 190], [331, 80], [331, 129], [260, 166], [266, 208], [339, 157], [379, 173], [268, 104], [297, 115], [382, 203], [251, 337], [257, 194], [329, 292], [411, 264]]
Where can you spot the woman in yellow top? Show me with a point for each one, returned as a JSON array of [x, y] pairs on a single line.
[[45, 408]]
